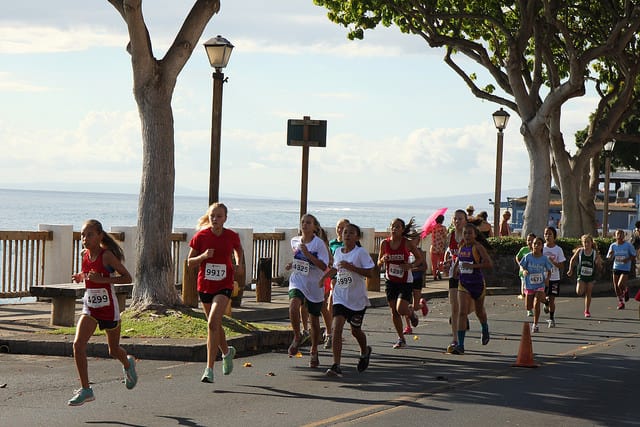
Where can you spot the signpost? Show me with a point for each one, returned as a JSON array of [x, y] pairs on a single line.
[[306, 133]]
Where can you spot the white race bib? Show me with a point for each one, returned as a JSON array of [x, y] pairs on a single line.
[[620, 259], [344, 279], [215, 272], [396, 270], [97, 297], [586, 271], [536, 278], [300, 266], [465, 270]]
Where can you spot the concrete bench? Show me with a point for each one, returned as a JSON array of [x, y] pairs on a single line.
[[63, 299]]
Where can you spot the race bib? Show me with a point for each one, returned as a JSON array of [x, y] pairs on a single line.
[[586, 271], [465, 270], [300, 266], [536, 278], [620, 259], [215, 272], [396, 270], [97, 298], [344, 279]]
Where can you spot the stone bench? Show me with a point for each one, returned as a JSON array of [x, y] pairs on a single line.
[[63, 299]]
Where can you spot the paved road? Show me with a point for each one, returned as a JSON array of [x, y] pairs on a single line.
[[588, 376]]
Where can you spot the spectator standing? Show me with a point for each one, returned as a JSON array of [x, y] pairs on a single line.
[[505, 230], [438, 247]]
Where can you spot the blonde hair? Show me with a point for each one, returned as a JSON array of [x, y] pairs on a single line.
[[204, 221]]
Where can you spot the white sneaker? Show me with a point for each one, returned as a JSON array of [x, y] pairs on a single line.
[[551, 323]]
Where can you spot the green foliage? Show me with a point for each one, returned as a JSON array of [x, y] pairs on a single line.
[[511, 245]]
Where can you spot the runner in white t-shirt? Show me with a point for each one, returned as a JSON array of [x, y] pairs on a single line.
[[351, 264], [557, 258]]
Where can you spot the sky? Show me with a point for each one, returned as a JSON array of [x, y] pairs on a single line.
[[400, 123]]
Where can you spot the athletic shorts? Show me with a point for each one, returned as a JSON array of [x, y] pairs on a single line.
[[417, 282], [553, 289], [620, 272], [399, 290], [453, 283], [206, 298], [354, 318], [533, 291], [476, 290], [315, 308], [105, 325]]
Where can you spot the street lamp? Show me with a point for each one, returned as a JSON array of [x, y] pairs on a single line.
[[608, 150], [500, 120], [219, 51]]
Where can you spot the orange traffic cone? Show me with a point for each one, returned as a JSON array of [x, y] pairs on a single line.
[[525, 354]]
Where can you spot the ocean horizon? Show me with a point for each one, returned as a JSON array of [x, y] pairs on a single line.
[[25, 209]]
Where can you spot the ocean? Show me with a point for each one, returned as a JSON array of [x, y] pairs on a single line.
[[25, 209]]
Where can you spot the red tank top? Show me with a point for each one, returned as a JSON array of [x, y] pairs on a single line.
[[99, 298], [393, 271]]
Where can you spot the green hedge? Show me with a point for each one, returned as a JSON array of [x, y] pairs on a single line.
[[511, 245]]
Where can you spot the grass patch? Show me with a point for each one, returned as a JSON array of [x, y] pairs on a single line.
[[175, 324]]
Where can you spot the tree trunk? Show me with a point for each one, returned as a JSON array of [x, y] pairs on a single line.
[[537, 209], [155, 285]]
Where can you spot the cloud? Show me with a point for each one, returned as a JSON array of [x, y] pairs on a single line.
[[32, 39], [10, 83]]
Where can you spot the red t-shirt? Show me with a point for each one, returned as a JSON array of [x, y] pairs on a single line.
[[216, 273], [394, 273]]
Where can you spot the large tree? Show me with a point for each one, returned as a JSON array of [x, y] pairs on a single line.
[[154, 81], [536, 55]]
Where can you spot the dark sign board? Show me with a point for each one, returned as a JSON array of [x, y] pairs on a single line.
[[317, 133]]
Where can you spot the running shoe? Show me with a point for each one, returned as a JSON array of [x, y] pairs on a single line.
[[485, 336], [546, 306], [293, 348], [626, 294], [363, 363], [328, 342], [551, 323], [130, 375], [407, 330], [314, 362], [535, 328], [587, 314], [207, 375], [620, 305], [451, 346], [424, 307], [227, 361], [82, 395], [334, 371], [458, 349], [413, 318], [529, 313], [401, 343]]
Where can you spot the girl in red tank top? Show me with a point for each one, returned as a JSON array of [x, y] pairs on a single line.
[[101, 259], [394, 257]]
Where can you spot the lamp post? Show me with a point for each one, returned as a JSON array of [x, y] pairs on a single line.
[[219, 51], [608, 150], [500, 120]]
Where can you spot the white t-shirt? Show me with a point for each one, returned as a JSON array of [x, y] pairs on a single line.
[[350, 288], [305, 276], [555, 254]]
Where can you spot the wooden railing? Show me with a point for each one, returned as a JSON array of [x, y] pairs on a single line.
[[266, 245], [176, 238], [22, 261]]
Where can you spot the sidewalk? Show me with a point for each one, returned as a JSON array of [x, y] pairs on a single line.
[[22, 328]]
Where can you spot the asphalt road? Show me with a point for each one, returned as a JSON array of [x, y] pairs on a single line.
[[587, 376]]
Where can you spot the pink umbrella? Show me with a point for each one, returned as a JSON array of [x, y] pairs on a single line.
[[430, 223]]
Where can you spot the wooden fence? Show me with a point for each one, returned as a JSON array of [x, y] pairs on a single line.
[[23, 254]]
